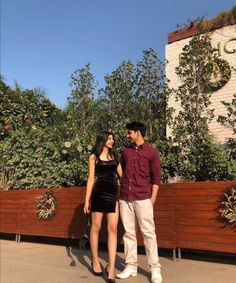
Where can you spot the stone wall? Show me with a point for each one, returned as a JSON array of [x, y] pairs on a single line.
[[224, 39]]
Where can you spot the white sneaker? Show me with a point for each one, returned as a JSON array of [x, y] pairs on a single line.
[[156, 276], [127, 272]]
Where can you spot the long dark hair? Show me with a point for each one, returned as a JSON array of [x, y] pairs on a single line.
[[99, 144]]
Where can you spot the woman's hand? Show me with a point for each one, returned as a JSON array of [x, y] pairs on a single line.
[[86, 208]]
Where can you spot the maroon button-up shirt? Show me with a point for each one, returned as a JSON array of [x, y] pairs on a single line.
[[141, 169]]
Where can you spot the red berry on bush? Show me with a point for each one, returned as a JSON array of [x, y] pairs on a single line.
[[6, 128]]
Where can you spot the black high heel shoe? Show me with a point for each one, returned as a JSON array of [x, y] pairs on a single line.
[[108, 279], [95, 272]]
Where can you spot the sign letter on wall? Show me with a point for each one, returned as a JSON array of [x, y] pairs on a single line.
[[229, 49]]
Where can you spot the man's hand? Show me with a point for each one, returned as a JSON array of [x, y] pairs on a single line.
[[153, 200], [154, 194]]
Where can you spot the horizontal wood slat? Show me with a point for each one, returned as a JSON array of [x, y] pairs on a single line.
[[196, 214], [204, 185], [194, 206], [198, 199], [209, 246], [200, 222], [197, 192]]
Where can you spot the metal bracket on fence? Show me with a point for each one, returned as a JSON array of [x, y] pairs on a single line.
[[174, 254], [18, 238], [179, 253]]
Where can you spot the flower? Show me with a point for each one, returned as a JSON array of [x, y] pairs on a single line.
[[67, 144], [89, 147], [79, 148]]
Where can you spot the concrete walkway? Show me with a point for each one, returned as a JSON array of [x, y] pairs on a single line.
[[49, 263]]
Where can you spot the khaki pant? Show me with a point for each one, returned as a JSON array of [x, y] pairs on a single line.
[[142, 210]]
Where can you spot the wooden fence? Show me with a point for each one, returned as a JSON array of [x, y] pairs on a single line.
[[186, 216]]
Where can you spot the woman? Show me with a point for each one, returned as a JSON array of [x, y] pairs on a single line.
[[101, 197]]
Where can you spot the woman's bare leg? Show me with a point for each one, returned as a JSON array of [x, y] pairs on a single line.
[[112, 222], [94, 235]]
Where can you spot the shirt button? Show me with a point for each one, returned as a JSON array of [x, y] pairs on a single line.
[[129, 188]]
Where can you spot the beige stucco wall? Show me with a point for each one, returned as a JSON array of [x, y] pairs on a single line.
[[225, 40]]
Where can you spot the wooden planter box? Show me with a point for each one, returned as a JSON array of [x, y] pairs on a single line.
[[186, 216]]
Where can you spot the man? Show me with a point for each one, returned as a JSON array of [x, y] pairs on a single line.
[[141, 178]]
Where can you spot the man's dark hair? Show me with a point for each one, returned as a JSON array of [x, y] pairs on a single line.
[[137, 126]]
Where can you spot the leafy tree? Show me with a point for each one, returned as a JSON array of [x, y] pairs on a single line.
[[230, 147], [206, 162], [200, 158], [30, 146], [169, 154], [230, 150], [117, 100], [230, 119], [81, 104], [151, 93], [23, 108], [81, 122], [33, 159]]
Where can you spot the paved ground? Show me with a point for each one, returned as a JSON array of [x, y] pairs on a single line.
[[28, 262]]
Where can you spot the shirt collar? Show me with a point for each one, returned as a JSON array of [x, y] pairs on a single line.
[[139, 146]]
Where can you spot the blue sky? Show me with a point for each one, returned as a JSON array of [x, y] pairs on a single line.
[[43, 42]]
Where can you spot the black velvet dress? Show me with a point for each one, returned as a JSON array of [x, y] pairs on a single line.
[[105, 189]]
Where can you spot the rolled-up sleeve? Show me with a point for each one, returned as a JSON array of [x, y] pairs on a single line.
[[155, 169]]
